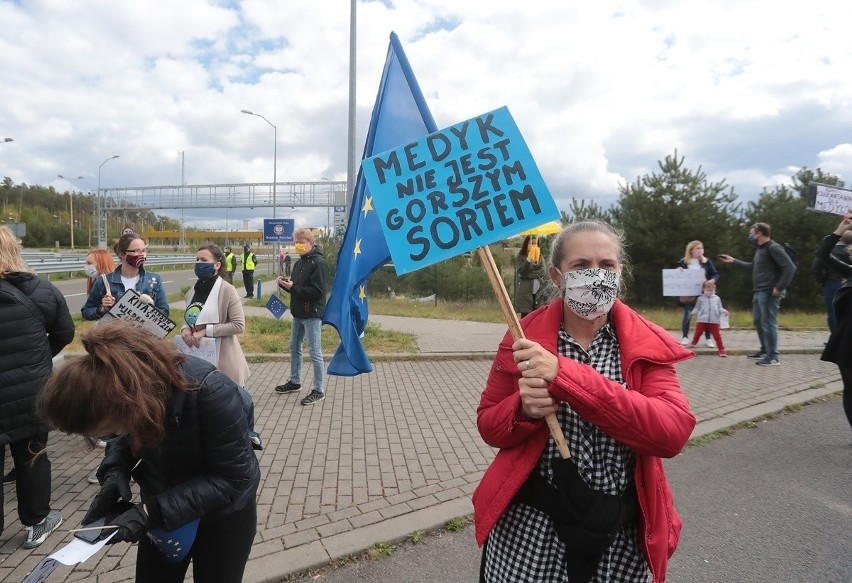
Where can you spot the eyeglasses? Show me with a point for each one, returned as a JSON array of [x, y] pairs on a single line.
[[136, 251]]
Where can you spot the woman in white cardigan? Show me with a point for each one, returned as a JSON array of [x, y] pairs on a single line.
[[214, 310]]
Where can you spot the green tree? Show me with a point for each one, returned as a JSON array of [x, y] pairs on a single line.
[[581, 210], [660, 213]]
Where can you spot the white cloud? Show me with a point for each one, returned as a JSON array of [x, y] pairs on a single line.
[[748, 90]]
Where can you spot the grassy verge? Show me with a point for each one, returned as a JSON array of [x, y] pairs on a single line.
[[669, 317], [270, 336], [267, 335]]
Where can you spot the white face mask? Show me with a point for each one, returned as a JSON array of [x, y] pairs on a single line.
[[91, 271], [590, 293]]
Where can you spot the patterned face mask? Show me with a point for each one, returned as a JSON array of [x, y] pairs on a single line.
[[590, 293]]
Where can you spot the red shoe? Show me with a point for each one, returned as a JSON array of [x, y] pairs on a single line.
[[723, 354]]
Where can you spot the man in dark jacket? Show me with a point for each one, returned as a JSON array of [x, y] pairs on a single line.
[[35, 325], [772, 271], [307, 305]]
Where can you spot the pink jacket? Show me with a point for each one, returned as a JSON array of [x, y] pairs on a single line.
[[652, 417]]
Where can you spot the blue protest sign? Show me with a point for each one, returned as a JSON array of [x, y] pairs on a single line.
[[457, 189], [278, 230]]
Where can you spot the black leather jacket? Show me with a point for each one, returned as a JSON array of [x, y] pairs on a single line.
[[205, 467]]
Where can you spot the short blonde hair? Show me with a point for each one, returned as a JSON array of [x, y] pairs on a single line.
[[304, 233], [10, 253]]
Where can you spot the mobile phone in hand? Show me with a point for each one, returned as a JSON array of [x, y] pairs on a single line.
[[93, 536]]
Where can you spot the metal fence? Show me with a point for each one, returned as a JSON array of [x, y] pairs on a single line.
[[45, 263]]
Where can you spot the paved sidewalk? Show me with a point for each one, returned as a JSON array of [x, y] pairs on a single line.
[[397, 450]]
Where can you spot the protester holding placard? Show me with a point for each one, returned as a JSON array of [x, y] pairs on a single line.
[[830, 276], [35, 326], [531, 284], [606, 513], [694, 258], [130, 274], [839, 345], [176, 426], [219, 315]]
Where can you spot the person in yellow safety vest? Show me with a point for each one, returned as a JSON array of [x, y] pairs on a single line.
[[249, 262], [230, 265]]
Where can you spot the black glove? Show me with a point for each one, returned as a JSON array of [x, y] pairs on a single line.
[[116, 485], [131, 524]]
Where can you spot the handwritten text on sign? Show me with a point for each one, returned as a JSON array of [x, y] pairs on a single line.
[[133, 310], [463, 187], [829, 199], [683, 282]]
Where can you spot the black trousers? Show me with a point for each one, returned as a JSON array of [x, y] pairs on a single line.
[[248, 281], [219, 553], [32, 485], [846, 375]]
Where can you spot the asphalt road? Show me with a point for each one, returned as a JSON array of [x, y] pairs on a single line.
[[765, 504]]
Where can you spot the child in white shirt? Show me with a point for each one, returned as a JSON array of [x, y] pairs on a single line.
[[708, 310]]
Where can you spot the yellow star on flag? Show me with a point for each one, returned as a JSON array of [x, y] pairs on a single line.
[[361, 294], [357, 250], [368, 205]]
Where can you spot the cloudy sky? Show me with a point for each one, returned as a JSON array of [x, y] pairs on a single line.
[[750, 90]]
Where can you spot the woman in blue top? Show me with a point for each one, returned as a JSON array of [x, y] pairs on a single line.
[[130, 274]]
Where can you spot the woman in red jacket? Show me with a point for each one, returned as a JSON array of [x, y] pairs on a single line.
[[608, 375]]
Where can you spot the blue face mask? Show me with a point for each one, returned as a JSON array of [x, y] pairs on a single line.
[[753, 238], [205, 271]]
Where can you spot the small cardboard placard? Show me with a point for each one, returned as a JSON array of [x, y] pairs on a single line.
[[131, 309], [683, 282], [829, 199]]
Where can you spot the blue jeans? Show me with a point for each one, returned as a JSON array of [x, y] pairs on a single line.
[[248, 409], [764, 310], [312, 328], [830, 288]]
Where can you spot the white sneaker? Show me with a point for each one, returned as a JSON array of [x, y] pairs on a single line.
[[684, 341], [37, 533], [709, 343]]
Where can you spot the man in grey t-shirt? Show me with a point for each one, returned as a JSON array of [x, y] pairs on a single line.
[[772, 272]]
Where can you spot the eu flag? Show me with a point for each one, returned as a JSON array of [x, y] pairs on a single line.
[[276, 306], [176, 544], [400, 115]]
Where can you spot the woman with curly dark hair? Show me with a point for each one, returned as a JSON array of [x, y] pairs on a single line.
[[176, 425]]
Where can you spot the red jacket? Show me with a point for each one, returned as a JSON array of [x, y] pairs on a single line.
[[652, 417]]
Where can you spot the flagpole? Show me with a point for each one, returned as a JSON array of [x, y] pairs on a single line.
[[350, 153], [517, 332]]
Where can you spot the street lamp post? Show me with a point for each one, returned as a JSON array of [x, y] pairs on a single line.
[[101, 218], [274, 156], [71, 205]]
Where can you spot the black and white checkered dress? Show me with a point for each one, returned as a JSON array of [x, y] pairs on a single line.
[[523, 546]]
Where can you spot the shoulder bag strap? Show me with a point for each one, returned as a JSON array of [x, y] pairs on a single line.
[[23, 299]]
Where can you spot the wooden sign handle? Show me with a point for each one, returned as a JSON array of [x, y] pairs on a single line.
[[517, 332]]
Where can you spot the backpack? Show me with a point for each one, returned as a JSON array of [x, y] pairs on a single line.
[[793, 255]]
